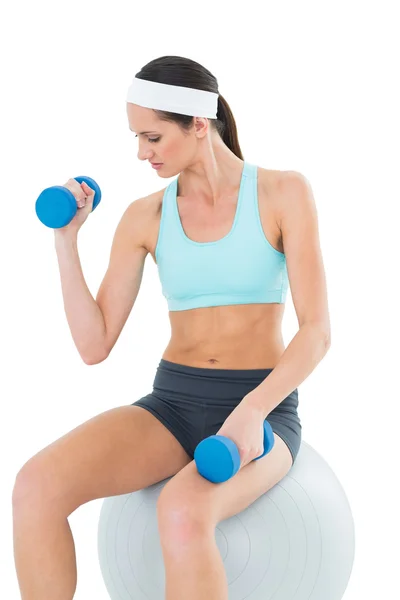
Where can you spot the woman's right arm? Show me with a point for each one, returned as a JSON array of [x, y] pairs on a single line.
[[85, 319], [95, 325]]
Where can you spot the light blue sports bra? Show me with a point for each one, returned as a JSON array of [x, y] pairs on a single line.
[[240, 268]]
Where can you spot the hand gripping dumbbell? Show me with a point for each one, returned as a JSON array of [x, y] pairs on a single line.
[[56, 206], [217, 457]]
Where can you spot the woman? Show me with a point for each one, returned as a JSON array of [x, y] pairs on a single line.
[[226, 236]]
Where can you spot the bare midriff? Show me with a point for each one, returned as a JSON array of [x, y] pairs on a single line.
[[243, 336]]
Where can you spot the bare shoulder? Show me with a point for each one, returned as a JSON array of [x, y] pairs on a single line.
[[270, 191], [282, 188], [270, 180], [292, 181], [152, 203], [142, 214], [295, 195]]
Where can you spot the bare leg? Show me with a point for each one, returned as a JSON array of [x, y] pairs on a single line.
[[195, 570], [44, 552], [111, 454]]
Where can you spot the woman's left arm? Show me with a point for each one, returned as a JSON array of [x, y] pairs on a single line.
[[298, 221]]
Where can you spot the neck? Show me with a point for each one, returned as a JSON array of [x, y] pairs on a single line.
[[212, 176]]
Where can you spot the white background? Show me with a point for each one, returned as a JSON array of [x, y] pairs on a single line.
[[313, 87]]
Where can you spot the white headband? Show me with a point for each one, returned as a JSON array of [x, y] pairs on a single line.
[[173, 98]]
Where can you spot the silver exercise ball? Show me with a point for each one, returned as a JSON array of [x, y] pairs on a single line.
[[296, 542]]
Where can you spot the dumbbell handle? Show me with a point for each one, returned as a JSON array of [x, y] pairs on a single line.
[[217, 457], [56, 206]]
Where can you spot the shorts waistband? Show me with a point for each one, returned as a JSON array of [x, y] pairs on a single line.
[[213, 373], [207, 386]]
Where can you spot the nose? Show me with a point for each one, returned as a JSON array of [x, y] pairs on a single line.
[[143, 153]]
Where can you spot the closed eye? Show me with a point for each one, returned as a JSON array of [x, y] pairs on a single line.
[[151, 139]]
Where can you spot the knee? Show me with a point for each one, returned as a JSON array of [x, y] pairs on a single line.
[[182, 518]]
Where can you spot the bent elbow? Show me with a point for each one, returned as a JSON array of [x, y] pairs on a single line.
[[327, 339], [91, 360]]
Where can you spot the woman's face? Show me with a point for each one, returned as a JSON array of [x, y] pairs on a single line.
[[161, 141]]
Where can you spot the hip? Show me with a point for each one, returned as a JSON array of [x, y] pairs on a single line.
[[193, 402], [214, 387]]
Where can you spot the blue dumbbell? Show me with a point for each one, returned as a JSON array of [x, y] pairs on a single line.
[[56, 206], [217, 457]]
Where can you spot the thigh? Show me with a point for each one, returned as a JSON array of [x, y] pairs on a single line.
[[116, 452]]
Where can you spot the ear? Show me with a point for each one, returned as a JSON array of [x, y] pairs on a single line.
[[201, 126]]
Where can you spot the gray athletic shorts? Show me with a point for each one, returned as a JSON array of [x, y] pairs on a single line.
[[194, 402]]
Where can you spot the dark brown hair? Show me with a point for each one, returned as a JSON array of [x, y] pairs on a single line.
[[176, 70]]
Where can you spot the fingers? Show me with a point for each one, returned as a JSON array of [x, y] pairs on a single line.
[[248, 455], [79, 191], [88, 195]]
